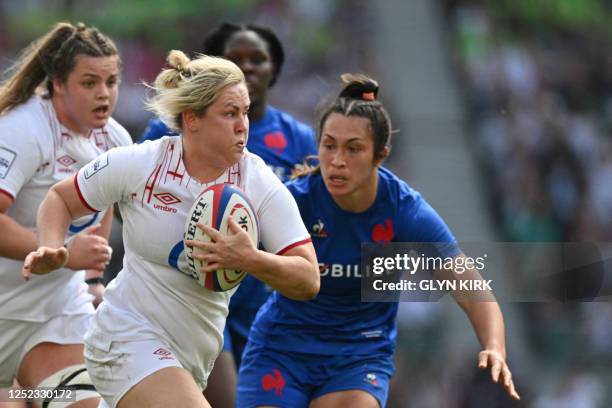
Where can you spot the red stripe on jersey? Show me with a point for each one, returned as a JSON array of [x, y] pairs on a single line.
[[295, 244], [78, 190], [6, 193], [149, 186]]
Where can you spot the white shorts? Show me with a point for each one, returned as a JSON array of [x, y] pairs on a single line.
[[18, 337], [123, 364]]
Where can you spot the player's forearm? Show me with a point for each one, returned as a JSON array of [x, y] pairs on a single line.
[[293, 276], [488, 323], [52, 220], [93, 273], [16, 241], [107, 223]]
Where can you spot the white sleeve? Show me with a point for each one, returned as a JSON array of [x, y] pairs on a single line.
[[20, 157], [280, 224], [103, 181]]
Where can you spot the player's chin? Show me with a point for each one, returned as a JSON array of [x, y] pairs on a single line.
[[337, 188], [237, 152], [233, 158], [97, 123]]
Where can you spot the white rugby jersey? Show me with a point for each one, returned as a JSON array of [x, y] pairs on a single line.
[[154, 294], [36, 151]]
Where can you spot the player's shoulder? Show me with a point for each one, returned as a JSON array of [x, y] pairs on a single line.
[[151, 150], [398, 192], [30, 117], [155, 129], [118, 135], [252, 161], [297, 127], [302, 186]]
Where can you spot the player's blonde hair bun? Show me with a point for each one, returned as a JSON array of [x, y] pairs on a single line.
[[170, 78], [190, 85]]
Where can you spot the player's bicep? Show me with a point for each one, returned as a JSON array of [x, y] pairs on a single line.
[[304, 250], [281, 225], [103, 182], [68, 191], [20, 158], [5, 202]]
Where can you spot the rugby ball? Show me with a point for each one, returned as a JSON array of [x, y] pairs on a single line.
[[214, 207]]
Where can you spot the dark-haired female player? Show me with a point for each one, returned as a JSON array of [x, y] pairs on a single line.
[[335, 351]]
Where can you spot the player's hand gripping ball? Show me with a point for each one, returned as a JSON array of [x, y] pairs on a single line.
[[214, 207]]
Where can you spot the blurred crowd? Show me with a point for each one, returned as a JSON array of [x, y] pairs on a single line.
[[538, 93], [540, 102]]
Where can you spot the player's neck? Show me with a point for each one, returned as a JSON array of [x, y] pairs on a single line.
[[64, 118], [201, 165]]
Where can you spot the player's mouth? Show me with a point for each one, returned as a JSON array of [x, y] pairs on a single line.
[[336, 180], [102, 112]]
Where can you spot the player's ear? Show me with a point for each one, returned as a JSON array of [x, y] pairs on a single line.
[[58, 86], [382, 155], [190, 120]]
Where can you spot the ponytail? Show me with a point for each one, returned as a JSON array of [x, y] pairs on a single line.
[[51, 57]]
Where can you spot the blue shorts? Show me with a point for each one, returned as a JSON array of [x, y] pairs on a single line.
[[293, 380]]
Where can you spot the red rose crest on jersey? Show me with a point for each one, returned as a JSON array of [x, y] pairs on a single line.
[[274, 382], [276, 141], [383, 232]]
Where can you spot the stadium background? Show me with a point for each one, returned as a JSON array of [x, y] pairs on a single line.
[[504, 112]]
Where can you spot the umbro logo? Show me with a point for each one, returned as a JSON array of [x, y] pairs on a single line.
[[66, 160], [167, 200], [163, 354]]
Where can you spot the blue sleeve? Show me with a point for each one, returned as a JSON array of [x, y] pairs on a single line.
[[424, 224], [155, 130]]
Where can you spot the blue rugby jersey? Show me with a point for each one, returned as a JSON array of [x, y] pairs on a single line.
[[336, 321]]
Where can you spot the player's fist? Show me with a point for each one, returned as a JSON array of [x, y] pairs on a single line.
[[87, 250]]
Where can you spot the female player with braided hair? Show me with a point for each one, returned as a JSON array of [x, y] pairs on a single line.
[[55, 116], [335, 351], [155, 338]]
